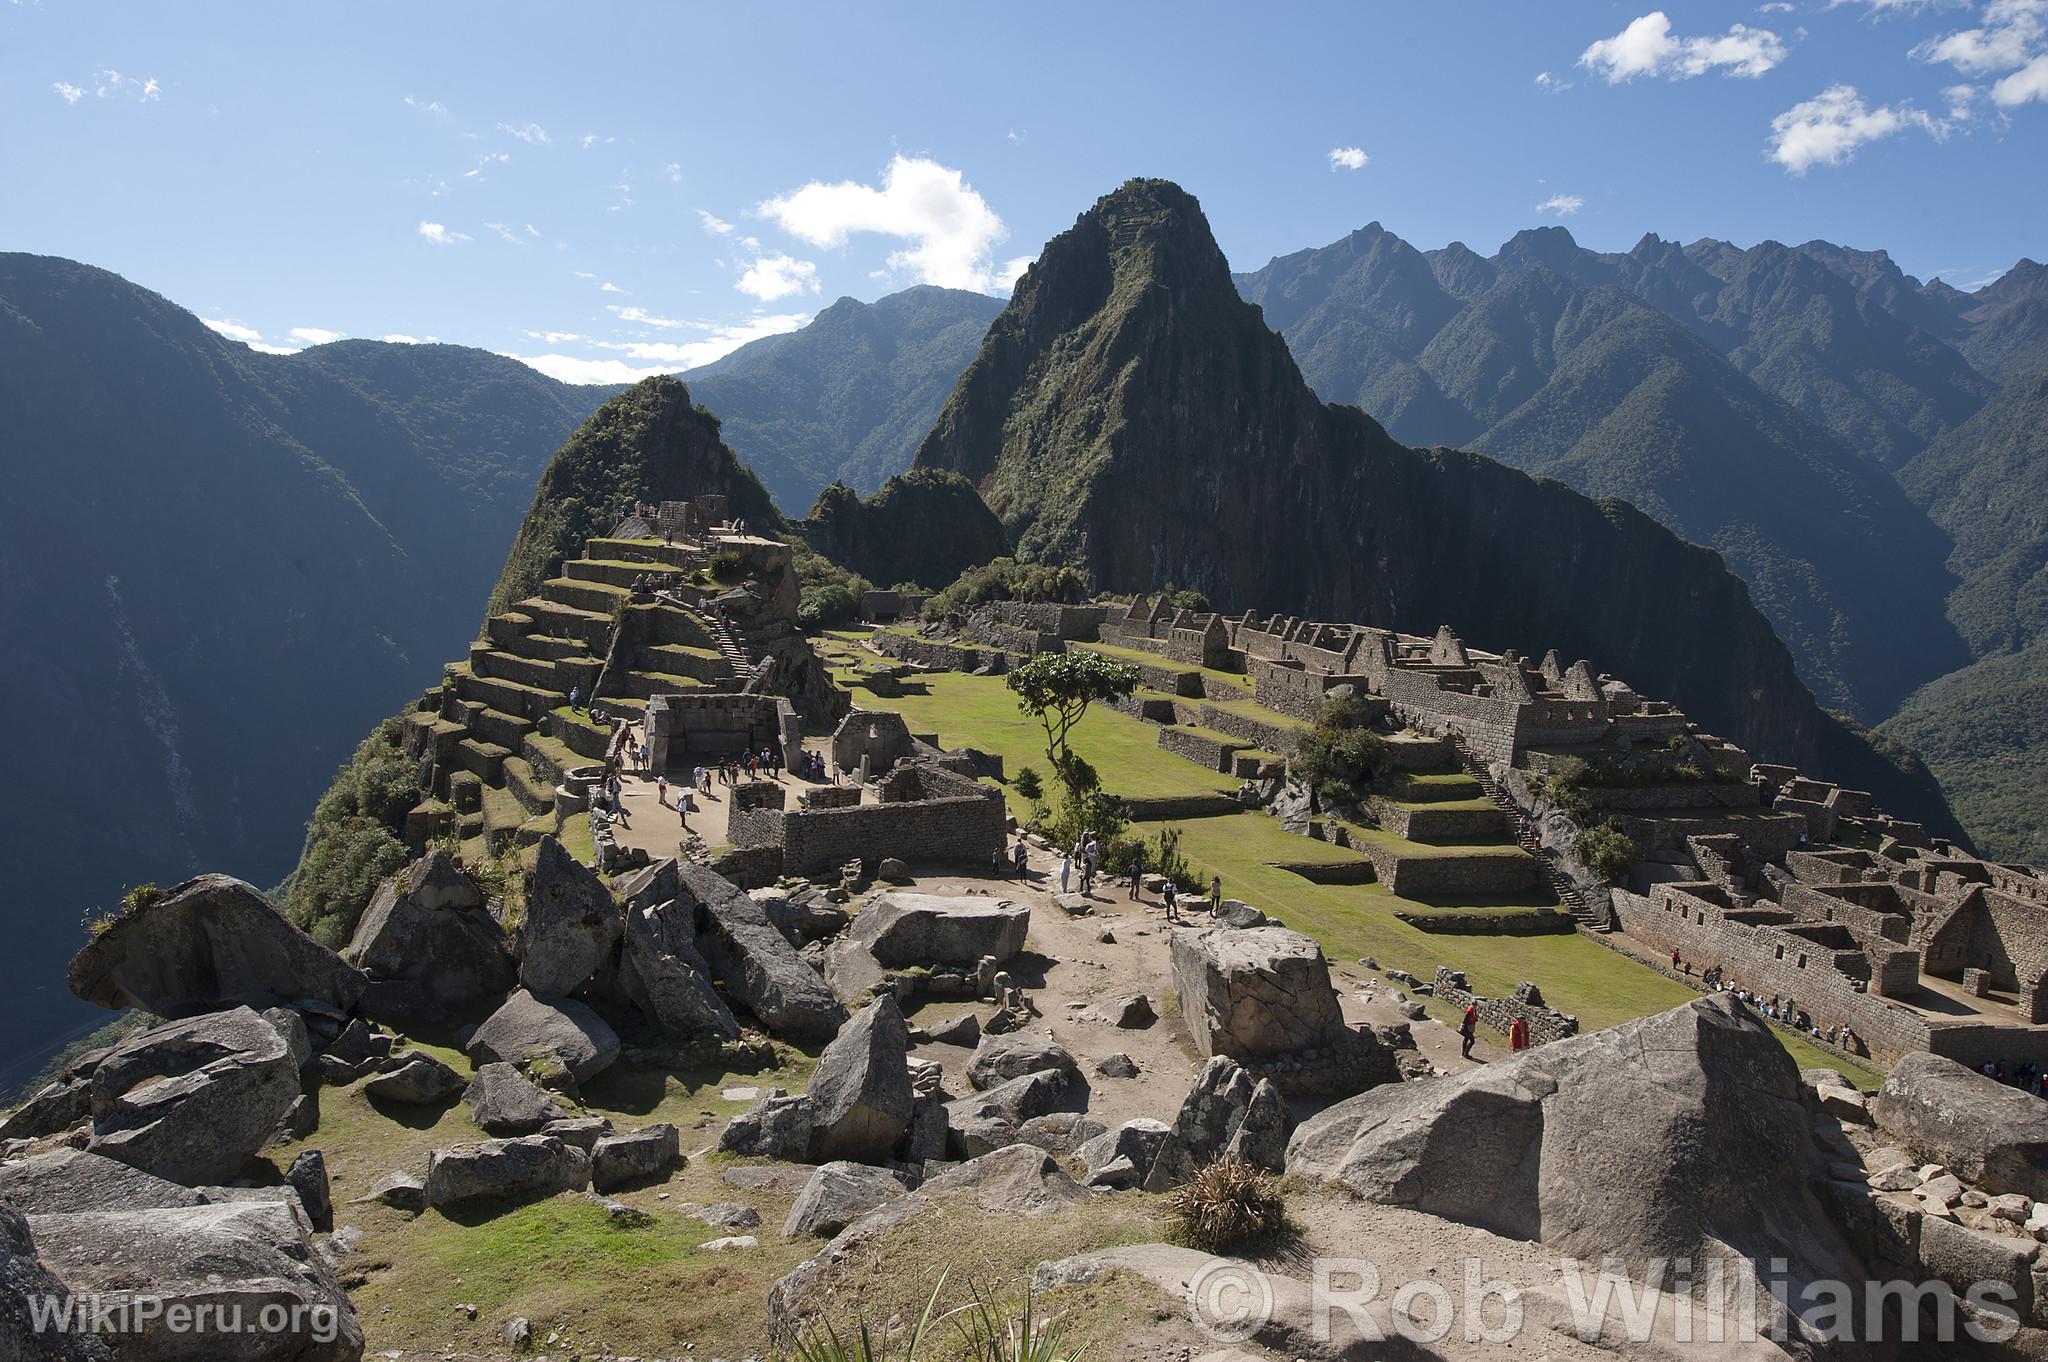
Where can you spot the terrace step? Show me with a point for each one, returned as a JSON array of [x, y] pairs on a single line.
[[543, 647], [561, 620], [538, 673], [588, 596], [483, 759], [672, 659], [643, 551], [535, 792], [500, 729], [1561, 884], [617, 573], [507, 697]]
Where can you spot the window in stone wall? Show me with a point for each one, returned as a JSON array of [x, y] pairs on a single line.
[[1781, 952], [1802, 962]]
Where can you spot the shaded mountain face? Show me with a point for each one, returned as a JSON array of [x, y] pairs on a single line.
[[926, 527], [218, 569], [649, 443], [847, 398], [1983, 731], [1589, 383], [1131, 415]]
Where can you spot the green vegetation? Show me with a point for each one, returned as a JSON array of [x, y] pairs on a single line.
[[1057, 689], [1338, 757], [1607, 851], [1983, 731], [1226, 1203], [1006, 579], [828, 595], [352, 843]]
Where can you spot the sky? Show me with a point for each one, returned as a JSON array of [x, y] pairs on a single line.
[[612, 190]]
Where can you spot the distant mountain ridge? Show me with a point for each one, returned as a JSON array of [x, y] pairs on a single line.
[[847, 398], [218, 568], [1131, 415], [1565, 363]]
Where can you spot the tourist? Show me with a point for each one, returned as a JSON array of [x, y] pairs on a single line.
[[1518, 1034], [1674, 957], [1170, 896], [1023, 861], [1066, 869], [575, 697], [1094, 858], [661, 791], [1468, 1029], [1215, 895], [996, 865], [683, 807], [1138, 873]]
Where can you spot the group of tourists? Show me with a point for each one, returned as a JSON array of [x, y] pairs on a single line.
[[1784, 1011], [1468, 1031], [2026, 1075]]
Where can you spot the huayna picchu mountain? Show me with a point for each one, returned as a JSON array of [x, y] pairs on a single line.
[[1131, 415], [218, 568]]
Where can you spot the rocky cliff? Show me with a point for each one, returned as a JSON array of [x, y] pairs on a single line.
[[926, 526], [1130, 414]]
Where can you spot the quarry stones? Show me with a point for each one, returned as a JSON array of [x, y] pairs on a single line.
[[999, 1059], [1950, 1114], [24, 1278], [527, 1026], [248, 1254], [192, 1100], [571, 927], [428, 927], [616, 1160], [529, 1166], [664, 976], [761, 970], [209, 943], [73, 1181], [860, 1093], [418, 1079], [1262, 996], [838, 1194], [504, 1102], [901, 929]]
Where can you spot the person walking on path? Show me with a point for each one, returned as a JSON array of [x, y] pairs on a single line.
[[1023, 861], [1094, 859], [1469, 1029], [683, 806], [1138, 874], [1518, 1034], [1215, 895], [661, 790], [1170, 895], [1066, 869]]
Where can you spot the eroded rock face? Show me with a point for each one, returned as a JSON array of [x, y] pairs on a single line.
[[901, 929], [860, 1094], [616, 1160], [209, 943], [529, 1025], [571, 928], [761, 970], [414, 1078], [1226, 1111], [192, 1100], [530, 1166], [1680, 1135], [74, 1181], [1948, 1113], [24, 1278], [254, 1255], [428, 926], [987, 1121]]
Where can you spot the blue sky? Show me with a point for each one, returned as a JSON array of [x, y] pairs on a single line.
[[620, 189]]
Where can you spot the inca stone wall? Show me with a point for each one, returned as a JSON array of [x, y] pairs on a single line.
[[1545, 1023], [1211, 750]]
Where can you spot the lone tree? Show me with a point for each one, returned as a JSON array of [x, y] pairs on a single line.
[[1056, 689]]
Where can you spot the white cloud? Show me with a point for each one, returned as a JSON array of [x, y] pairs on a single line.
[[659, 357], [262, 348], [400, 338], [642, 316], [532, 133], [441, 236], [609, 287], [2028, 83], [1648, 48], [951, 229], [532, 230], [110, 84], [1777, 7], [316, 335], [717, 226], [775, 276], [591, 139], [1827, 129], [1561, 204], [674, 171], [67, 92], [233, 329], [1550, 83], [507, 233], [427, 106], [1348, 158]]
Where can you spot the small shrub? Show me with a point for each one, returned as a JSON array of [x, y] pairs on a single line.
[[1027, 784], [1607, 851], [994, 1333], [1226, 1203], [726, 564]]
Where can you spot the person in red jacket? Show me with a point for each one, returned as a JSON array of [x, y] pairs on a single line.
[[1518, 1034], [1469, 1029]]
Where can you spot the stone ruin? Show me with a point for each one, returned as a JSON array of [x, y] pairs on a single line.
[[1498, 1014]]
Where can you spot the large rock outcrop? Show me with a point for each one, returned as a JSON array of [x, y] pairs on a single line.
[[428, 942], [1677, 1136], [527, 1026], [661, 971], [530, 1166], [761, 970], [192, 1100], [209, 943], [860, 1095], [1947, 1113], [252, 1256], [75, 1181], [901, 929], [1262, 996], [23, 1280], [571, 929]]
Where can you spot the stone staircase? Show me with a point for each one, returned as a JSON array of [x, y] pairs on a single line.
[[1568, 894]]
